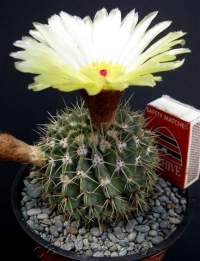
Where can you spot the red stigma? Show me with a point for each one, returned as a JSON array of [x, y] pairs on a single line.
[[103, 72]]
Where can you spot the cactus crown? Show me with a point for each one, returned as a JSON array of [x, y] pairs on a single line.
[[97, 175]]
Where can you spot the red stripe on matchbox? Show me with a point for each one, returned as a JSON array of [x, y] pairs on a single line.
[[173, 140]]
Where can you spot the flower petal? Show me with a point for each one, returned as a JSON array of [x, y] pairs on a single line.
[[137, 34], [69, 53], [145, 41]]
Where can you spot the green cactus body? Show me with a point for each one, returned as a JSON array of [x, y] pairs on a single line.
[[98, 175]]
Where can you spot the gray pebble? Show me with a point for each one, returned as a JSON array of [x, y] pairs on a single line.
[[140, 238], [59, 225], [157, 203], [154, 226], [88, 252], [47, 211], [164, 216], [156, 240], [86, 243], [167, 232], [130, 248], [117, 230], [26, 199], [123, 252], [118, 233], [150, 217], [24, 213], [172, 213], [183, 201], [175, 221], [94, 239], [31, 204], [145, 246], [112, 237], [164, 199], [162, 183], [46, 222], [153, 233], [95, 246], [57, 243], [151, 202], [82, 231], [146, 208], [33, 211], [107, 253], [33, 190], [68, 246], [53, 231], [104, 236], [178, 210], [78, 243], [35, 226], [142, 228], [114, 254], [175, 189], [174, 199], [156, 215], [42, 216], [130, 225], [158, 209], [167, 190], [95, 231], [98, 254], [119, 247], [113, 248], [139, 219], [164, 224], [124, 243], [132, 236]]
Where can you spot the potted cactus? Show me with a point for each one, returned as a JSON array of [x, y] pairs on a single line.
[[91, 190]]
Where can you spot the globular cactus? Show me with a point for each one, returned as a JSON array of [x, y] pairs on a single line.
[[98, 174]]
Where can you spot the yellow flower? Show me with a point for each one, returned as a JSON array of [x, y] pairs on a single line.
[[70, 53]]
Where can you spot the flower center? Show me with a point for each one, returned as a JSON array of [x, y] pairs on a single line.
[[103, 72]]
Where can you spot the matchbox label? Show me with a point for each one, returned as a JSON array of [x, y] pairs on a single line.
[[177, 140]]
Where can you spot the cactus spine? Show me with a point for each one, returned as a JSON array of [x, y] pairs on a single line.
[[97, 174]]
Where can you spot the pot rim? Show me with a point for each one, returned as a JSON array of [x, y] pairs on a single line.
[[165, 244]]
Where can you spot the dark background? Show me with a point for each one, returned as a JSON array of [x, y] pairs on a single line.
[[21, 110]]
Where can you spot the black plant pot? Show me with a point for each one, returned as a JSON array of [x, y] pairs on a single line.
[[48, 252]]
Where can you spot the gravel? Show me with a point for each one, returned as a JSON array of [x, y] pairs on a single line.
[[68, 246], [130, 225], [140, 238], [132, 236], [78, 244], [53, 230], [42, 216], [164, 224], [33, 189], [159, 219], [153, 233], [98, 254], [34, 211], [157, 240], [95, 231], [142, 228]]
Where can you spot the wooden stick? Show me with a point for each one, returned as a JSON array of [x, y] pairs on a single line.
[[12, 149]]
